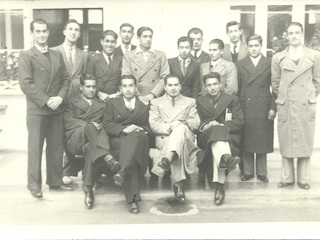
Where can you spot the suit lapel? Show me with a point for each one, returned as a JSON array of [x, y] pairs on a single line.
[[190, 70], [177, 69], [81, 104], [170, 111], [93, 108], [153, 58], [121, 108], [43, 60], [114, 65], [103, 63], [139, 60], [222, 104], [220, 66], [77, 61], [55, 64], [259, 69]]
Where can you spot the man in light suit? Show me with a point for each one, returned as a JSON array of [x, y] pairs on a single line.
[[227, 70], [45, 81], [147, 65], [197, 53], [187, 69], [126, 33], [106, 66], [237, 49], [76, 61], [84, 134], [173, 119]]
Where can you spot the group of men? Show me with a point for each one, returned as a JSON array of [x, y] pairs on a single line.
[[115, 106]]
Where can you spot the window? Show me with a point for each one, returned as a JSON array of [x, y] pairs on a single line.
[[246, 16], [312, 27]]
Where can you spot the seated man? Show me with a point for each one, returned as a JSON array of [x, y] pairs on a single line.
[[126, 122], [219, 133], [84, 134], [173, 118]]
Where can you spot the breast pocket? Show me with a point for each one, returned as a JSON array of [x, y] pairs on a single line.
[[281, 109]]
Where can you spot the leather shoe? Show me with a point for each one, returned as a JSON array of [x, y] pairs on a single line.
[[113, 164], [228, 162], [67, 180], [61, 188], [134, 208], [304, 186], [246, 177], [119, 178], [263, 178], [283, 184], [36, 193], [179, 193], [89, 197], [219, 195], [164, 164]]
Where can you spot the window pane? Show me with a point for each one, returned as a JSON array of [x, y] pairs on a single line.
[[244, 8], [76, 14], [312, 28], [280, 8], [11, 30], [313, 7], [95, 16], [277, 24]]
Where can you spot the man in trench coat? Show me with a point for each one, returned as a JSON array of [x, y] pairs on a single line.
[[296, 82]]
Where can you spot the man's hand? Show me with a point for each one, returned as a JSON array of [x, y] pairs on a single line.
[[147, 98], [115, 95], [54, 102], [96, 125], [103, 96], [272, 114], [132, 128]]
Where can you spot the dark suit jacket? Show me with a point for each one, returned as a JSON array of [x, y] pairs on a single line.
[[41, 79], [108, 76], [191, 85], [243, 52], [118, 50], [204, 57]]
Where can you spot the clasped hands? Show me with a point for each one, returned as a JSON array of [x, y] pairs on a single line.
[[211, 124], [132, 128], [54, 102]]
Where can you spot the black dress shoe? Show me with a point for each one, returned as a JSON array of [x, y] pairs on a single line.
[[164, 164], [134, 208], [61, 188], [119, 178], [228, 162], [36, 193], [246, 177], [219, 195], [283, 184], [263, 178], [88, 197], [304, 186], [179, 193], [113, 164]]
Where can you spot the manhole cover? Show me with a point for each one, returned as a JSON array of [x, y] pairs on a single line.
[[172, 207]]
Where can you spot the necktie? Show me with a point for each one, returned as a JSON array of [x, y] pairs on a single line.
[[109, 59], [234, 49], [184, 67], [173, 101], [129, 105], [195, 55], [126, 48], [70, 62]]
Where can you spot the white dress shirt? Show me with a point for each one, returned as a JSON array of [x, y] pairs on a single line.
[[256, 60]]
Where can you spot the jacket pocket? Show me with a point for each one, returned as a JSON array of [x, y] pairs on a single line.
[[281, 109], [312, 108]]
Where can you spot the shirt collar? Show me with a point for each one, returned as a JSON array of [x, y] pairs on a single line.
[[42, 49], [198, 53], [237, 44], [138, 50], [123, 47], [67, 47], [188, 60], [255, 60], [170, 98], [133, 100], [215, 63], [87, 100], [106, 56]]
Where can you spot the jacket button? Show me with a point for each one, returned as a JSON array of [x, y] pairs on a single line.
[[162, 137], [153, 80], [249, 99]]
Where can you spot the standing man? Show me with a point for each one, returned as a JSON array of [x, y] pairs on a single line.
[[259, 109], [173, 119], [227, 70], [296, 82], [187, 69], [45, 81], [147, 65], [106, 67], [126, 34], [197, 53], [126, 123], [219, 133], [236, 49]]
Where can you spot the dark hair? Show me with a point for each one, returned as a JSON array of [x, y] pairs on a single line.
[[211, 75], [70, 21], [86, 76], [109, 32], [170, 76], [217, 41], [254, 37], [233, 23], [295, 24], [39, 21], [185, 39], [195, 31], [142, 29], [127, 25], [128, 77]]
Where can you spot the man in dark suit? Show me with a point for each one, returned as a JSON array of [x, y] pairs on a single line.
[[187, 69], [197, 53], [126, 123], [259, 109], [106, 67], [237, 49], [126, 33], [45, 81], [76, 61], [219, 133], [84, 134]]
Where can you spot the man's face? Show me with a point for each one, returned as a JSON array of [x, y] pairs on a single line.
[[146, 39], [108, 44], [254, 47], [40, 33], [234, 33], [89, 89], [184, 49], [126, 34], [173, 87], [197, 41], [128, 88], [294, 35], [214, 51], [213, 86], [72, 32]]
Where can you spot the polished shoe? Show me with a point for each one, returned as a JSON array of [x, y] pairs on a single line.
[[89, 197], [179, 193], [219, 195], [67, 180], [113, 165], [134, 208], [61, 188], [164, 164], [246, 177], [228, 162], [283, 184], [263, 178], [304, 186], [36, 193], [119, 178]]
